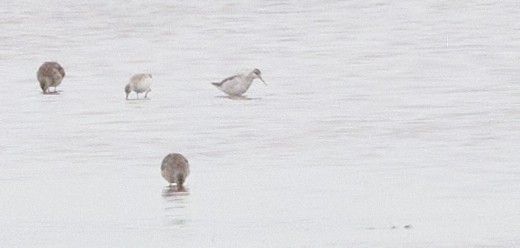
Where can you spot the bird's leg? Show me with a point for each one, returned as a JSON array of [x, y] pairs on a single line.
[[137, 95], [146, 94]]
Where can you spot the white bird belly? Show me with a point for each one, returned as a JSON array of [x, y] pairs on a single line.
[[235, 87], [143, 85]]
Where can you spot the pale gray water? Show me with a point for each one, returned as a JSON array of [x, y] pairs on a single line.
[[377, 114]]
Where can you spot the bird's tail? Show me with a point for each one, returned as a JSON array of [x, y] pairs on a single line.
[[216, 84]]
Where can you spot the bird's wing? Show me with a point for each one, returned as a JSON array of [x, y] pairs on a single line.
[[137, 77], [226, 80], [60, 70], [51, 68]]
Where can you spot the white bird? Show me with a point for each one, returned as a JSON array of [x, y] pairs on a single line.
[[175, 169], [238, 84], [49, 75], [139, 83]]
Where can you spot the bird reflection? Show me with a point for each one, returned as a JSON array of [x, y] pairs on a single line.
[[176, 200], [239, 97], [174, 191]]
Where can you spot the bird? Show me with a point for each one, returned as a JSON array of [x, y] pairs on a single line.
[[139, 83], [238, 84], [175, 169], [49, 75]]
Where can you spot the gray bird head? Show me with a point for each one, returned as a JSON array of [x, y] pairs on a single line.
[[258, 75], [127, 90]]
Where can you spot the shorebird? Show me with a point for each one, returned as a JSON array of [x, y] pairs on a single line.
[[49, 75], [139, 83], [175, 168], [238, 84]]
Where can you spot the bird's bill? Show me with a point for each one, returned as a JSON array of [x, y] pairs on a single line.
[[262, 80]]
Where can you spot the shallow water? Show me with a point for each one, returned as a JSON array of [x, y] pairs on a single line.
[[377, 115]]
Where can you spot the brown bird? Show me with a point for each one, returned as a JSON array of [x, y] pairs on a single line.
[[49, 75], [175, 168]]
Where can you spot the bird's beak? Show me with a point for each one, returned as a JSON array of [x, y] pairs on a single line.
[[262, 80]]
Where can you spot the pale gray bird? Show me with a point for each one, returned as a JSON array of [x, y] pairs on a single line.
[[139, 83], [49, 75], [238, 84], [175, 169]]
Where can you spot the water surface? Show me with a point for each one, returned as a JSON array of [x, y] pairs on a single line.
[[377, 115]]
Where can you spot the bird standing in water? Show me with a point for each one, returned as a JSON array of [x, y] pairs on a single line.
[[175, 169], [238, 84], [49, 75], [139, 83]]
